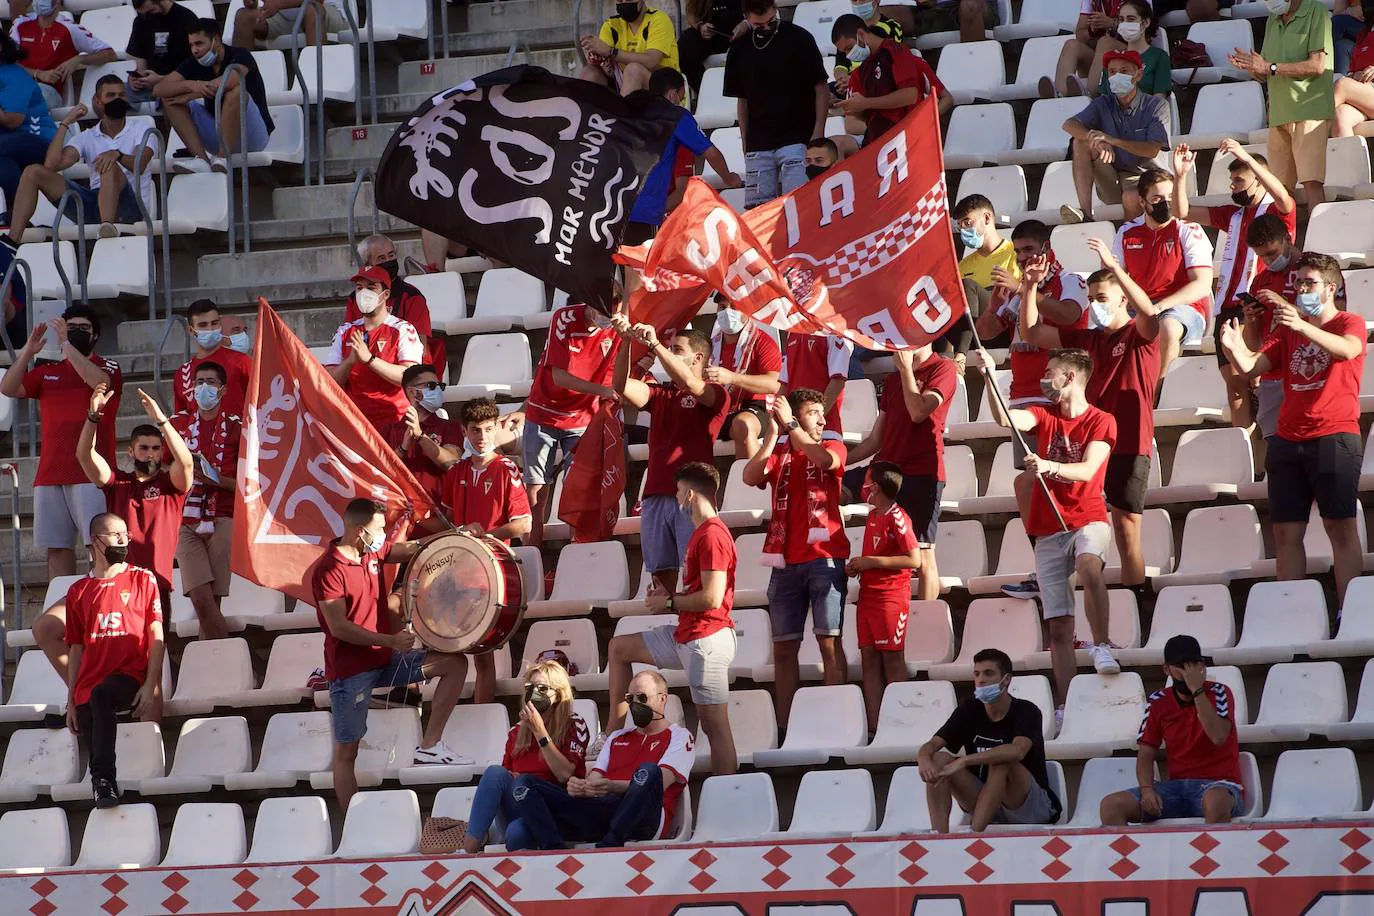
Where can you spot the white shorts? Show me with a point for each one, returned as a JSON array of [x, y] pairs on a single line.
[[1054, 564], [706, 661], [61, 513]]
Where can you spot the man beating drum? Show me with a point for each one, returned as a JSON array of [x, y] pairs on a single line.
[[366, 647]]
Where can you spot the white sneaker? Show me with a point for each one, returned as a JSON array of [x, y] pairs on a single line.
[[440, 754], [219, 164], [190, 165], [1104, 661]]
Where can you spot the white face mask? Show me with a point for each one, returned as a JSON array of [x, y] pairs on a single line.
[[1277, 7], [368, 300], [1129, 31], [469, 451], [730, 321]]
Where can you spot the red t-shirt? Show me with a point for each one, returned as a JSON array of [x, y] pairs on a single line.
[[1363, 55], [1321, 395], [710, 547], [336, 576], [409, 304], [1176, 727], [811, 362], [217, 439], [917, 448], [1028, 362], [891, 68], [238, 368], [112, 618], [490, 496], [152, 509], [1159, 259], [1281, 283], [1239, 263], [1125, 376], [46, 49], [1065, 439], [682, 429], [582, 349], [887, 534], [531, 759], [395, 342], [627, 748], [64, 399], [813, 532], [428, 474], [754, 352]]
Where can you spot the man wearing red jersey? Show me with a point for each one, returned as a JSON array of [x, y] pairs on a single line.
[[64, 501], [212, 433], [369, 355], [630, 793], [685, 416], [207, 330], [821, 364], [746, 360], [1171, 260], [573, 376], [365, 647], [806, 544], [702, 643], [1075, 441], [1271, 241], [55, 48], [1255, 192], [1191, 716], [1317, 451], [890, 553], [114, 635], [405, 301], [1125, 358], [910, 433], [428, 444]]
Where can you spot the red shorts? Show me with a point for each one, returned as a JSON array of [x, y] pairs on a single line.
[[882, 620], [684, 163]]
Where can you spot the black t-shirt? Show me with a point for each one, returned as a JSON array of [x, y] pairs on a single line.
[[725, 15], [777, 78], [969, 729], [191, 69], [160, 38]]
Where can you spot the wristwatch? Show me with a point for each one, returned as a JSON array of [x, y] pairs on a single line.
[[544, 742], [792, 424], [1200, 691], [1273, 69], [668, 605]]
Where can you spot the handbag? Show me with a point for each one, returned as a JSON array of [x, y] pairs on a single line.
[[1188, 54], [442, 835]]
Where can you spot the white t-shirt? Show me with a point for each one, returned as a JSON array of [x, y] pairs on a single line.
[[93, 141]]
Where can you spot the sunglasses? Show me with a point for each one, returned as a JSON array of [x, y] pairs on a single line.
[[538, 688], [430, 386], [638, 697]]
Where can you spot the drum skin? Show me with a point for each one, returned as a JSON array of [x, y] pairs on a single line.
[[464, 593]]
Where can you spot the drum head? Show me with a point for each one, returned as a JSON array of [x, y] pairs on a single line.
[[454, 589]]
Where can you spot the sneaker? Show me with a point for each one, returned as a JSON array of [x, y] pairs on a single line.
[[190, 165], [219, 164], [415, 266], [1104, 661], [1076, 87], [1026, 588], [106, 793], [1071, 216], [108, 231], [440, 754], [1046, 88]]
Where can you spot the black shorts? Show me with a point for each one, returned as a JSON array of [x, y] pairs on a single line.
[[754, 407], [1326, 469], [1128, 476], [919, 498], [637, 233], [1224, 316]]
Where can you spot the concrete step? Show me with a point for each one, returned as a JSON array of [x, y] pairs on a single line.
[[320, 201], [315, 326], [517, 17], [320, 263], [423, 79], [348, 143]]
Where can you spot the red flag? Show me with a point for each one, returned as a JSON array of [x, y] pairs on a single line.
[[307, 451], [595, 481]]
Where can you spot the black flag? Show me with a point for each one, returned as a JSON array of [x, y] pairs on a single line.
[[536, 170]]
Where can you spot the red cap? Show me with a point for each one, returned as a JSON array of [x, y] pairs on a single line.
[[373, 275], [1129, 57]]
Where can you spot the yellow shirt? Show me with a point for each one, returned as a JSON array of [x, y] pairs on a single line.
[[653, 33], [977, 266]]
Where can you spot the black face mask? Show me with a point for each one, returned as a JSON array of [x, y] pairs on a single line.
[[82, 339], [1159, 212], [627, 11], [117, 108], [392, 267], [116, 553], [641, 714], [145, 468], [539, 699], [1241, 198], [815, 171], [763, 31]]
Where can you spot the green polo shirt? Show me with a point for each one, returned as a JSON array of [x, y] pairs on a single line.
[[1289, 43]]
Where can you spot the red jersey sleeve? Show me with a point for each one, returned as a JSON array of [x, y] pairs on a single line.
[[574, 746], [903, 536], [153, 596], [770, 470], [330, 583], [448, 491], [1220, 217], [681, 753], [1104, 430], [1221, 700], [517, 498], [510, 747], [1151, 730], [76, 616], [417, 313], [767, 356], [910, 70], [944, 380], [33, 382], [840, 451]]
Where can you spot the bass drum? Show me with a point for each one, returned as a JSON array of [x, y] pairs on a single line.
[[464, 593]]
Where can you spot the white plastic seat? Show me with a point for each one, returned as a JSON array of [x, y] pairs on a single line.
[[1156, 538], [194, 202], [35, 838], [446, 296], [731, 146], [833, 803], [380, 824], [929, 635], [395, 19], [1039, 57], [1009, 624], [207, 751], [753, 725], [824, 722], [753, 641], [1056, 189], [1355, 637], [1201, 611], [121, 264], [859, 411], [293, 658], [1101, 777], [36, 759], [505, 297], [1015, 561], [1316, 546], [287, 143], [910, 713], [906, 810], [1299, 698], [1315, 783], [1225, 110], [211, 671], [738, 807], [1219, 545], [47, 284], [493, 365], [1221, 38], [1036, 689], [126, 836], [1207, 463], [291, 828], [340, 73], [392, 736], [961, 476], [275, 80], [590, 714], [713, 108], [1361, 724], [1123, 626], [1359, 298], [37, 690], [454, 802], [979, 135], [751, 576], [1070, 243], [1342, 229], [207, 833], [744, 506], [588, 576], [972, 70], [1045, 138], [817, 17], [112, 25], [1192, 392], [248, 602], [139, 750], [1040, 18], [1004, 185], [1101, 715], [963, 553], [1280, 618], [574, 637], [477, 732]]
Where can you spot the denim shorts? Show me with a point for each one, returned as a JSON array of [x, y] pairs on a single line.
[[1183, 797], [816, 585], [770, 173], [349, 696], [1191, 319], [126, 211], [542, 446], [664, 530], [203, 114]]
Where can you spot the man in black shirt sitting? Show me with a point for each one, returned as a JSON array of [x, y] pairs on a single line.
[[158, 43], [1001, 777]]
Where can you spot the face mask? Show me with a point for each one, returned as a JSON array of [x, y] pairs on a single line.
[[208, 58], [116, 553], [370, 546], [971, 238], [641, 714], [539, 699], [1129, 31], [988, 693], [145, 468], [432, 399], [1310, 303], [600, 319], [82, 339], [241, 342], [627, 11], [210, 339], [1159, 211], [730, 321], [1279, 263], [1241, 198], [392, 267], [768, 28], [864, 11], [815, 171], [368, 300], [1120, 84], [1100, 314], [207, 396], [470, 452], [117, 108], [1050, 390], [1276, 7], [44, 7], [858, 54]]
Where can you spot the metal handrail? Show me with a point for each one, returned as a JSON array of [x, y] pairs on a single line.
[[517, 43], [81, 246], [161, 149], [358, 177], [230, 154], [577, 25], [162, 345], [429, 28], [11, 470], [371, 63], [443, 24], [357, 64], [6, 283], [294, 60]]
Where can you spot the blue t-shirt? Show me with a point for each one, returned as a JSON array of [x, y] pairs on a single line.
[[19, 92], [653, 199]]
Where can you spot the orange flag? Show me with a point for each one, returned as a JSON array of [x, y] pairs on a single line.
[[307, 451]]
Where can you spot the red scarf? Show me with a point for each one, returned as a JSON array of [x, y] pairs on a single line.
[[205, 503], [775, 541]]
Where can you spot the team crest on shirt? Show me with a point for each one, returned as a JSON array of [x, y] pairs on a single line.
[[689, 401], [1307, 362], [605, 346], [1169, 247], [124, 595], [1119, 350], [486, 487], [152, 492]]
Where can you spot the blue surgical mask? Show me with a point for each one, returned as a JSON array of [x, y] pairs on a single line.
[[210, 339], [857, 54], [1310, 303], [863, 10], [989, 693], [371, 546], [971, 238], [1120, 84], [1279, 263], [208, 58], [241, 342], [1099, 314], [44, 7], [432, 399], [207, 396]]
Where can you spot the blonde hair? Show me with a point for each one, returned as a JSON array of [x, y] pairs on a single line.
[[557, 716]]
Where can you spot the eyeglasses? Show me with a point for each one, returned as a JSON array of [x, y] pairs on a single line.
[[538, 688], [80, 326], [1307, 283], [639, 697]]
